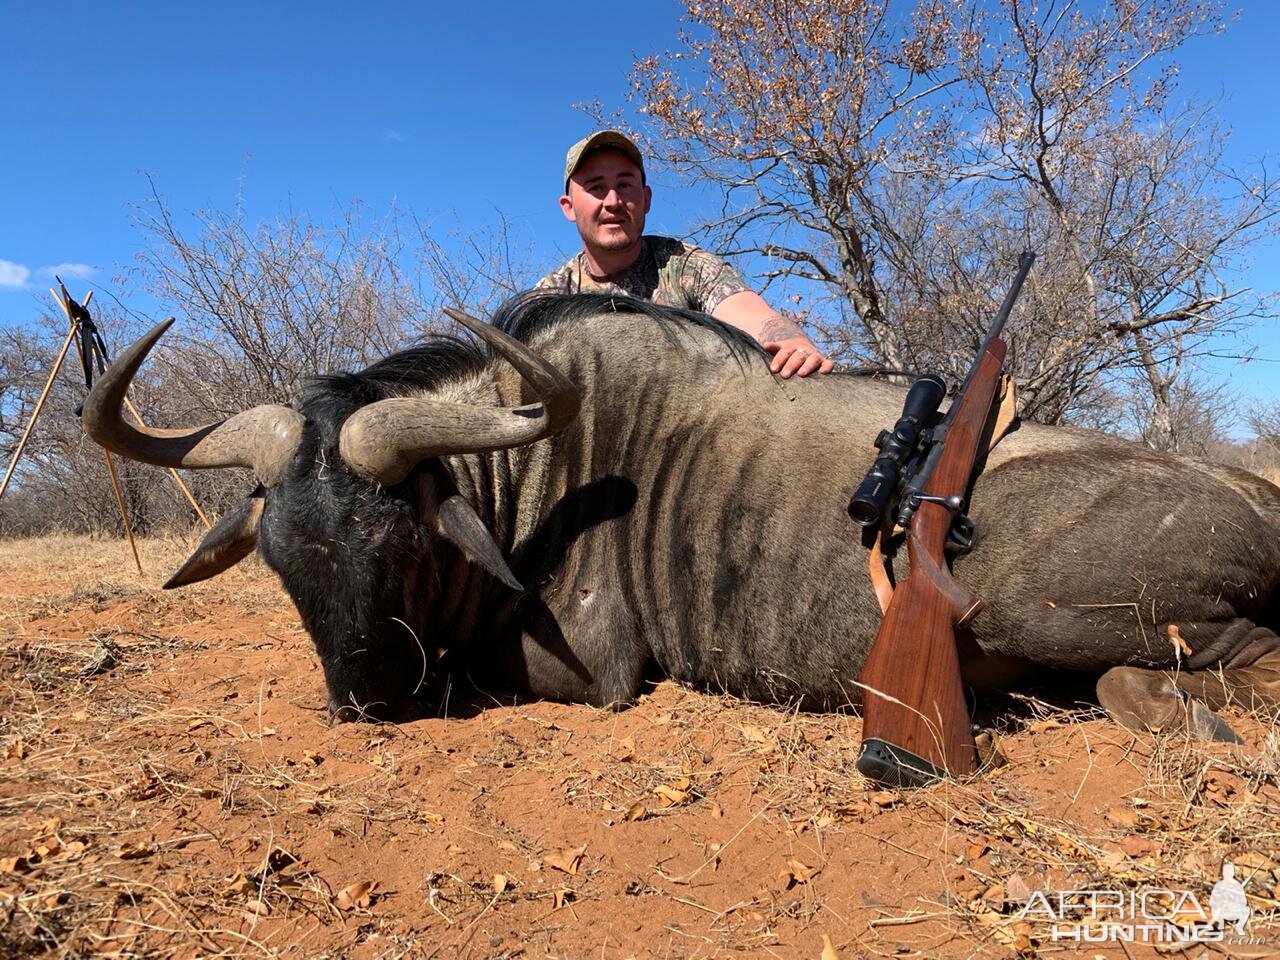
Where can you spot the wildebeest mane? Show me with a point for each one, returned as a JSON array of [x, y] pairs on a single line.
[[526, 314], [330, 398]]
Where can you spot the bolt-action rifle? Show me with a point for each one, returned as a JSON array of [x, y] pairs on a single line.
[[915, 720]]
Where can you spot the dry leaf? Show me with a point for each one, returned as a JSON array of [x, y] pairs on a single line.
[[1016, 889], [357, 895], [1113, 858], [716, 811], [17, 750], [828, 949], [802, 873], [566, 860], [883, 798], [312, 758], [626, 750], [256, 909], [1123, 816], [560, 898], [636, 811], [671, 797], [135, 851], [1219, 787], [1136, 846], [1046, 724], [499, 883], [794, 873], [73, 849], [752, 733], [239, 885], [976, 850], [1180, 645], [1022, 943], [994, 894], [14, 865]]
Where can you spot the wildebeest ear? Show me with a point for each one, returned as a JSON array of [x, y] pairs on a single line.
[[462, 526], [230, 541]]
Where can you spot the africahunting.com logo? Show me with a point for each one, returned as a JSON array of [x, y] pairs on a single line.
[[1147, 915]]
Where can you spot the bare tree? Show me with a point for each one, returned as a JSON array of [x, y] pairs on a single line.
[[266, 305], [261, 307], [476, 268], [897, 163]]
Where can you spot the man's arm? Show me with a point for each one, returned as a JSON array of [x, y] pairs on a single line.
[[793, 352]]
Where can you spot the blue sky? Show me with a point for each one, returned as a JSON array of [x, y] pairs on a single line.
[[450, 111]]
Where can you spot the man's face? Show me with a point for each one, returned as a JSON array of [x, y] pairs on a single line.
[[607, 200]]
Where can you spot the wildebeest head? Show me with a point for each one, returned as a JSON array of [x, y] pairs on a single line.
[[352, 508]]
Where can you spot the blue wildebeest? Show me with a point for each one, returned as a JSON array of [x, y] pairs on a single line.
[[615, 490]]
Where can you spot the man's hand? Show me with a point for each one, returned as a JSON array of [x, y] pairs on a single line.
[[793, 352], [796, 356]]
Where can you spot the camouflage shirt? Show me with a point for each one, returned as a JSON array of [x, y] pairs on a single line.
[[667, 272]]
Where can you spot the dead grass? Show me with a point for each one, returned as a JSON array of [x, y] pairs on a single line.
[[168, 787]]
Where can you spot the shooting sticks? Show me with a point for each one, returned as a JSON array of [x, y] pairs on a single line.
[[89, 347]]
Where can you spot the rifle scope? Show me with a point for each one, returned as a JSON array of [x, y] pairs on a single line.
[[897, 446]]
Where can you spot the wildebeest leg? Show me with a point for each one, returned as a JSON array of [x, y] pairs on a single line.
[[1251, 676], [587, 651], [1150, 700], [1240, 666]]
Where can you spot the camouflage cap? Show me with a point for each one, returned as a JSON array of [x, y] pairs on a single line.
[[594, 141]]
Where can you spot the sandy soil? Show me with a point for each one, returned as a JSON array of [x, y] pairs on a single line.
[[169, 786]]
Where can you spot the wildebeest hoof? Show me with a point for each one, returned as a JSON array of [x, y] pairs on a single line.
[[1207, 725], [1149, 701]]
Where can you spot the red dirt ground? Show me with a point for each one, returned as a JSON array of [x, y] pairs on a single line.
[[169, 786]]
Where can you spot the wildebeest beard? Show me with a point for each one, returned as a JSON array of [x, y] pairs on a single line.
[[356, 559]]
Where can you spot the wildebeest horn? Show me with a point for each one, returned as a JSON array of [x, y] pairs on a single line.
[[263, 438], [230, 541], [385, 440]]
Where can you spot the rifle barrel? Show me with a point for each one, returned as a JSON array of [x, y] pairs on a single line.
[[1025, 260]]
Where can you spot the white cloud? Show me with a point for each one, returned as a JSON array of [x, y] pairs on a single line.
[[13, 275], [68, 271], [393, 136]]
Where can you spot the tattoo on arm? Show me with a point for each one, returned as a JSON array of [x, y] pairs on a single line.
[[778, 327]]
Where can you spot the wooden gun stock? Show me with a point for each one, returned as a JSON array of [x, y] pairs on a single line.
[[915, 720]]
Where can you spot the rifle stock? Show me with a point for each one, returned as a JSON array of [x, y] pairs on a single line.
[[916, 726]]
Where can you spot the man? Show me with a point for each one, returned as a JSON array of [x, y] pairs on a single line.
[[606, 197]]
